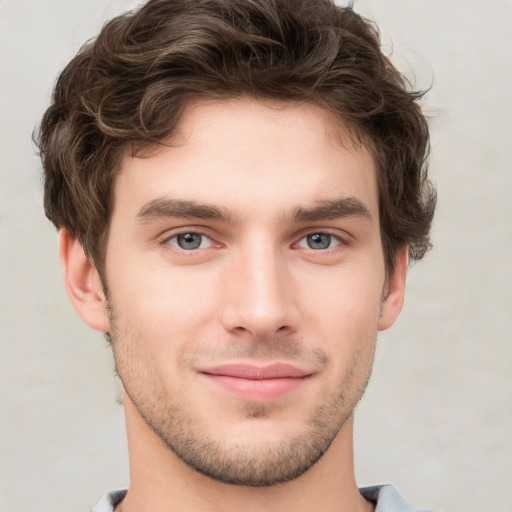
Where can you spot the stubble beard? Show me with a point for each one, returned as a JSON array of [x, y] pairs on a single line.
[[257, 464]]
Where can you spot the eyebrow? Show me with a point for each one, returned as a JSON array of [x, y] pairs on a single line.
[[338, 208], [162, 208], [166, 207]]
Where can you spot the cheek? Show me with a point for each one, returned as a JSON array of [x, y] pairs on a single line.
[[345, 301], [162, 318], [344, 321], [163, 297]]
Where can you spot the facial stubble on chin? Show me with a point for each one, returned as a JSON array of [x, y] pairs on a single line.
[[254, 464]]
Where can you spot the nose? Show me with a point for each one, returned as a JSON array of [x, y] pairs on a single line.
[[259, 295]]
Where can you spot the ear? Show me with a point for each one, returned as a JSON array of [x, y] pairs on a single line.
[[394, 291], [82, 283]]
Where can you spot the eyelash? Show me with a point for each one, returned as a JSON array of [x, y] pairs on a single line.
[[168, 240], [336, 238], [339, 240]]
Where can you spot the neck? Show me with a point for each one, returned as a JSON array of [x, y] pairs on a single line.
[[160, 481]]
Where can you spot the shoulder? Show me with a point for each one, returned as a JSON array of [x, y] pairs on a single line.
[[387, 499], [109, 501]]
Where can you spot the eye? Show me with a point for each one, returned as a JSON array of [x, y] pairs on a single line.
[[319, 241], [190, 241]]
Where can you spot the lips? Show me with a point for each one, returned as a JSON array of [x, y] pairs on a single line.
[[247, 371], [257, 383]]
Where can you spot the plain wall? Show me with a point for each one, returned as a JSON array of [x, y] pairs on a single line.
[[437, 418]]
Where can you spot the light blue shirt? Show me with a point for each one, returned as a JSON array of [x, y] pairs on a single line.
[[385, 497]]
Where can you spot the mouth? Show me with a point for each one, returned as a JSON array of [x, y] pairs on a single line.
[[257, 383]]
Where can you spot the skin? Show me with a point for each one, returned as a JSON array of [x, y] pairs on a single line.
[[275, 279]]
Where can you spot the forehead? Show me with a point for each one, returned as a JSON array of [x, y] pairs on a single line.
[[243, 155]]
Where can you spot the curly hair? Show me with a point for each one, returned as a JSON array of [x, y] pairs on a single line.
[[130, 86]]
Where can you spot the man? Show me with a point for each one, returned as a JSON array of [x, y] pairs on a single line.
[[238, 187]]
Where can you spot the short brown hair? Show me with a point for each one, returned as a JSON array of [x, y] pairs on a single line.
[[130, 86]]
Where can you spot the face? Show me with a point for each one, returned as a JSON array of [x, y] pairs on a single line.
[[246, 278]]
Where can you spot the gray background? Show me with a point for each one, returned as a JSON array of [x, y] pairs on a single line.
[[436, 420]]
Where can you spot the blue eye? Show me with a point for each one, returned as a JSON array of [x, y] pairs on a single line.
[[319, 241], [190, 241]]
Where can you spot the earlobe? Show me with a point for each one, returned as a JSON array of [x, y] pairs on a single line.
[[82, 282], [395, 289]]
